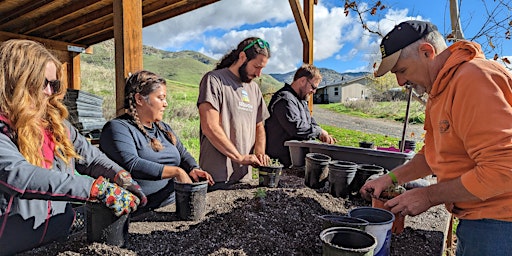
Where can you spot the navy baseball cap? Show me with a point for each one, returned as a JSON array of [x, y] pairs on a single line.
[[400, 37]]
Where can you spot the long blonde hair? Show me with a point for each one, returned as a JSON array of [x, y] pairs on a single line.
[[23, 102]]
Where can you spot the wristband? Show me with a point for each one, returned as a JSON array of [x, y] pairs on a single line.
[[393, 178]]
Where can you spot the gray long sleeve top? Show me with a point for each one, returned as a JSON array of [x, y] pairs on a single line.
[[33, 191], [289, 120], [124, 143]]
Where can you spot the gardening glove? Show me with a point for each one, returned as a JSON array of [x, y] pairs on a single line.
[[125, 180], [120, 200]]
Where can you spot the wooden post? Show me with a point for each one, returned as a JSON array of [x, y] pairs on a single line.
[[66, 70], [304, 21], [308, 48], [128, 44], [308, 45], [75, 79]]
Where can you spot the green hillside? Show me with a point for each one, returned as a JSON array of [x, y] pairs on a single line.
[[184, 67]]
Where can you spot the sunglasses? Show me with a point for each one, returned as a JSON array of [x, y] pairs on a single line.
[[54, 84], [261, 43], [312, 86]]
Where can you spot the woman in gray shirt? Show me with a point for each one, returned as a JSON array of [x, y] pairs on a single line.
[[147, 147]]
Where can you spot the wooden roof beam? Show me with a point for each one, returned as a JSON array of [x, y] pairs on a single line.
[[157, 7], [304, 21], [11, 15], [301, 22], [58, 18], [83, 21], [105, 23], [50, 44], [158, 11], [98, 37]]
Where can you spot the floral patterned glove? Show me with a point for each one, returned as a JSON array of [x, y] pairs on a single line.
[[120, 200], [125, 180]]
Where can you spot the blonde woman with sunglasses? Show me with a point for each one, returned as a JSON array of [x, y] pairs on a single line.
[[40, 151]]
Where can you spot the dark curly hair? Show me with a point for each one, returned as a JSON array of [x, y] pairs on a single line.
[[251, 53], [144, 82]]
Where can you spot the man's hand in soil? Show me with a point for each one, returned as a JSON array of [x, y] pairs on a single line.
[[264, 159], [199, 174], [251, 159]]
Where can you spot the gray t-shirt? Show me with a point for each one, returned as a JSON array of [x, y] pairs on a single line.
[[241, 106]]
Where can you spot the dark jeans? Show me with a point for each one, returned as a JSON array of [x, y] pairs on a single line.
[[19, 235], [486, 237]]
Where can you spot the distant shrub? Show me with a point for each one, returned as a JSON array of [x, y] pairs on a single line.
[[364, 106]]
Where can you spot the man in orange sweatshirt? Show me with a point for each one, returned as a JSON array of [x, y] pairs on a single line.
[[468, 140]]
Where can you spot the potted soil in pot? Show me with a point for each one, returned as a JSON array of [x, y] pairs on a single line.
[[191, 200], [269, 175], [390, 193]]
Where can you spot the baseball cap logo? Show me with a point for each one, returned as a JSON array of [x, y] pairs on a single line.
[[383, 51]]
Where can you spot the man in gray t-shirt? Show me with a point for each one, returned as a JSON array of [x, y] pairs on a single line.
[[232, 111]]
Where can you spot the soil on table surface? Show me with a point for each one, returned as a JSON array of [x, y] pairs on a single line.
[[236, 223]]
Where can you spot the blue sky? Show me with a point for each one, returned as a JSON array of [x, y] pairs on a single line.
[[339, 41]]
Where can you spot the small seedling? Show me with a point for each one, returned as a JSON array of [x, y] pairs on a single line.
[[259, 199], [274, 163], [260, 193], [392, 191]]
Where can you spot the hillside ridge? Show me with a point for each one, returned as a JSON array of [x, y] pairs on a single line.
[[188, 67]]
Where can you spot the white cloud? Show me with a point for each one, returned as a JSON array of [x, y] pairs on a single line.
[[329, 30], [222, 16], [217, 28]]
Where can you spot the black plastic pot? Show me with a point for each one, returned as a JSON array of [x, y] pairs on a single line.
[[409, 144], [269, 175], [365, 144], [191, 200], [364, 171], [341, 175], [343, 241], [317, 170], [104, 226]]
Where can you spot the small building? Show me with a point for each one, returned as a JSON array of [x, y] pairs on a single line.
[[355, 89]]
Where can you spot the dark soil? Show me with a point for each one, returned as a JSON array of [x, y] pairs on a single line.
[[285, 223]]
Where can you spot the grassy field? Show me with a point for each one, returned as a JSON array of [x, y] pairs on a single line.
[[392, 110]]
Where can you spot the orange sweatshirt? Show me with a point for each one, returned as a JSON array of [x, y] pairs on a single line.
[[469, 131]]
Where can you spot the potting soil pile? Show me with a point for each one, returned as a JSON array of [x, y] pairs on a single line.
[[284, 222]]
